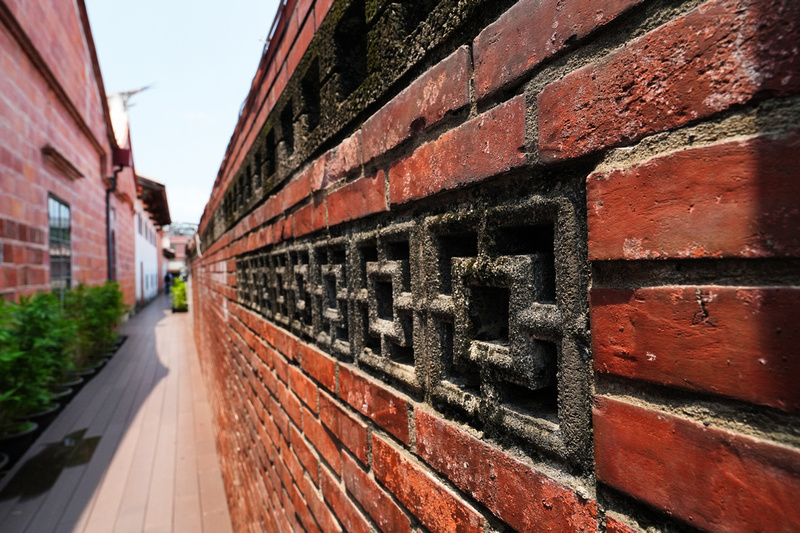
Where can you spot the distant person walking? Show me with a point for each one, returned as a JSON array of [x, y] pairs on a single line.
[[167, 282]]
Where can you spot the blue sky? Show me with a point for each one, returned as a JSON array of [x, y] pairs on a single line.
[[201, 57]]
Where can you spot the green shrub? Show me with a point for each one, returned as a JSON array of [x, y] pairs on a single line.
[[10, 354], [36, 340], [97, 312], [40, 341], [47, 337], [179, 302]]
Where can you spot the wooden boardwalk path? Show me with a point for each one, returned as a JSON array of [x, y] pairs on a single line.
[[133, 451]]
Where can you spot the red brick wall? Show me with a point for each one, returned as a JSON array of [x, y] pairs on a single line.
[[680, 120], [67, 56], [34, 117], [49, 96]]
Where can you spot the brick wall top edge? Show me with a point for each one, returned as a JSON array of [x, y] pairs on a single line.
[[377, 85], [264, 71]]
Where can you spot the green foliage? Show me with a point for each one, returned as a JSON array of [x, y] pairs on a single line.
[[40, 341], [10, 354], [179, 302], [97, 312], [36, 340]]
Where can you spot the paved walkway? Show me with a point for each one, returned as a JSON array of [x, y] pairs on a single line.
[[134, 451]]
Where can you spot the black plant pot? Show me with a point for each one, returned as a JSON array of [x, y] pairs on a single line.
[[118, 342], [92, 367], [98, 363], [75, 383], [45, 416], [87, 372], [61, 394], [16, 444]]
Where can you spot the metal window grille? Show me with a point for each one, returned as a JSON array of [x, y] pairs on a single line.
[[60, 245]]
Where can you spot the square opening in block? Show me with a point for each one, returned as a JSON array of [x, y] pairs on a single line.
[[311, 99], [461, 374], [370, 342], [533, 240], [450, 246], [330, 291], [385, 299], [401, 354], [541, 403], [350, 44], [488, 313], [367, 254], [287, 128]]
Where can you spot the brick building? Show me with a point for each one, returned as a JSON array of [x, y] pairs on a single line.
[[494, 266], [59, 157]]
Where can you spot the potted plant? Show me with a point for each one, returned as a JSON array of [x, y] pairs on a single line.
[[15, 435], [46, 336], [97, 312], [179, 303]]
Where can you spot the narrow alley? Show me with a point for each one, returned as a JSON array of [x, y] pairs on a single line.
[[133, 451]]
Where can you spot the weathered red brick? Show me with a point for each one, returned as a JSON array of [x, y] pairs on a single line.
[[310, 218], [291, 404], [305, 455], [319, 366], [321, 8], [734, 341], [318, 508], [283, 471], [281, 367], [295, 191], [302, 9], [375, 501], [292, 463], [712, 478], [323, 443], [305, 389], [436, 506], [617, 526], [358, 199], [512, 490], [375, 401], [685, 70], [280, 417], [300, 45], [349, 516], [489, 144], [533, 31], [283, 227], [442, 89], [339, 162], [736, 198], [286, 343], [267, 331], [303, 510], [350, 431], [316, 173]]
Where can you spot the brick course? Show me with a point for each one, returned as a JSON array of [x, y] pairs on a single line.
[[664, 460], [685, 70], [729, 199]]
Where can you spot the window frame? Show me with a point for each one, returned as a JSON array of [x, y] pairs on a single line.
[[59, 246]]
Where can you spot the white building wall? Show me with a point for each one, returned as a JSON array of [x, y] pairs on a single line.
[[147, 250]]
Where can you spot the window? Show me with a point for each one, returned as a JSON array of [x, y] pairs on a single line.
[[60, 245]]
